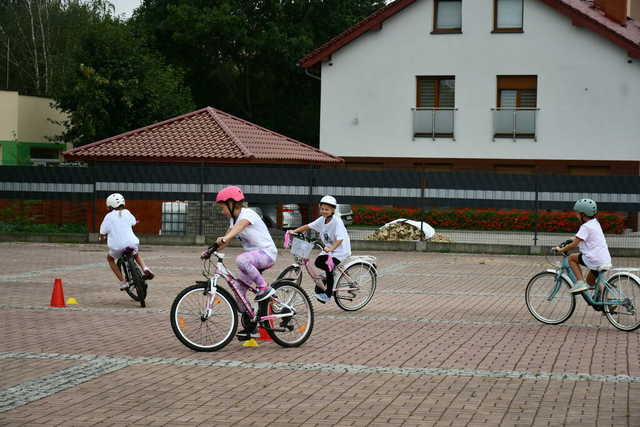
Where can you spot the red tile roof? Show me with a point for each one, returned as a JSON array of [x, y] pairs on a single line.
[[582, 13], [206, 135]]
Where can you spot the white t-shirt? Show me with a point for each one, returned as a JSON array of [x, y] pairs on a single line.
[[256, 235], [593, 247], [332, 232], [117, 226]]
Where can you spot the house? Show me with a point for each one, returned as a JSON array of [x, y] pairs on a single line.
[[516, 86], [26, 125]]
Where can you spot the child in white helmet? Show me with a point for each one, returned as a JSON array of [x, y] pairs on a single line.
[[590, 240], [335, 239], [116, 227]]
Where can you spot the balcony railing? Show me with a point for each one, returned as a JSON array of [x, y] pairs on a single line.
[[514, 123], [434, 122]]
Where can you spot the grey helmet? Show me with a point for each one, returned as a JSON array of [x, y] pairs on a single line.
[[586, 206]]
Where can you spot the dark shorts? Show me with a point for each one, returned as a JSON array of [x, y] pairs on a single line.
[[581, 261]]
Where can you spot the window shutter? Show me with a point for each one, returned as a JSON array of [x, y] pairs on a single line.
[[509, 14], [447, 93], [426, 93], [508, 98], [449, 15], [528, 98]]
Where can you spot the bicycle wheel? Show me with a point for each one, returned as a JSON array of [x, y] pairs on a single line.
[[124, 269], [290, 331], [548, 298], [292, 273], [625, 316], [190, 326], [139, 288], [355, 286]]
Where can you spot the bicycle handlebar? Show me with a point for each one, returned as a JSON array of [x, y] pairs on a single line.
[[210, 250], [301, 236]]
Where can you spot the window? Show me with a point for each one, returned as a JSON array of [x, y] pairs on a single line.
[[447, 16], [515, 115], [507, 15], [435, 106], [517, 91]]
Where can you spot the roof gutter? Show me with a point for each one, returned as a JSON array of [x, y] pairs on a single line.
[[306, 71]]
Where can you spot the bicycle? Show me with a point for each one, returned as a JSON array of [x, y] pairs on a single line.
[[204, 316], [549, 300], [356, 277], [130, 269]]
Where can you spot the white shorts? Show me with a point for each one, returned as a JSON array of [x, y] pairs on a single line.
[[117, 253]]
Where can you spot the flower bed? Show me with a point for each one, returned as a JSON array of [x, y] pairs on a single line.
[[486, 219]]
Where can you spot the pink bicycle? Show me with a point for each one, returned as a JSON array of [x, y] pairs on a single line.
[[204, 316]]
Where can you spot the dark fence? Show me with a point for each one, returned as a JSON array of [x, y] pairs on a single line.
[[159, 185]]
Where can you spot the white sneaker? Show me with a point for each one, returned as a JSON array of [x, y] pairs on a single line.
[[578, 286], [124, 285], [323, 298]]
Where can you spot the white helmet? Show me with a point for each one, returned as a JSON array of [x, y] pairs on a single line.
[[329, 200], [115, 200]]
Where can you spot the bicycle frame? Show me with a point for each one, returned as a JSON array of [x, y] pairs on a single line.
[[223, 272], [564, 270]]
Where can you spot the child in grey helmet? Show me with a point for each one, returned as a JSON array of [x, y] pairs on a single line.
[[590, 240]]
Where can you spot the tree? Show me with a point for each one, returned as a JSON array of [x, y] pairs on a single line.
[[35, 36], [240, 55], [117, 85]]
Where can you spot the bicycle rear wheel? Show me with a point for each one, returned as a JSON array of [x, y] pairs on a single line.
[[356, 286], [292, 273], [193, 329], [288, 331], [548, 298], [139, 288], [625, 316], [124, 269]]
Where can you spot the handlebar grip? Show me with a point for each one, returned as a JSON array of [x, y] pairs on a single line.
[[565, 243]]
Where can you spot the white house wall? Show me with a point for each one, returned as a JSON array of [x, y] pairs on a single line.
[[588, 92]]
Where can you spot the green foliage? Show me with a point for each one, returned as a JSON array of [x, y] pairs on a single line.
[[118, 85], [240, 55]]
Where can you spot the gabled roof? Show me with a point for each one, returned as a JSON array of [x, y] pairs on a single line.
[[582, 13], [207, 135]]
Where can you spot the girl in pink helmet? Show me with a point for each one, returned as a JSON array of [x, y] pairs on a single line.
[[260, 250]]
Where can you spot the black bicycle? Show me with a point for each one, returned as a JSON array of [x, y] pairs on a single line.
[[130, 269]]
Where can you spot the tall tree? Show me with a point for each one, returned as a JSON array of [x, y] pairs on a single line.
[[116, 85], [240, 55]]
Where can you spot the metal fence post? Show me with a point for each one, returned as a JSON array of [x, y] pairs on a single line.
[[201, 219], [422, 187], [535, 210]]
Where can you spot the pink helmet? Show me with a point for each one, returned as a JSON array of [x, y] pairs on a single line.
[[230, 193]]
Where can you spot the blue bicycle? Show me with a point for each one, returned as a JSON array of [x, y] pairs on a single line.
[[549, 300]]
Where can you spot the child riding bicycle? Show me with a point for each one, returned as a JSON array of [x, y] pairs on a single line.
[[116, 227], [594, 252], [335, 239], [260, 250]]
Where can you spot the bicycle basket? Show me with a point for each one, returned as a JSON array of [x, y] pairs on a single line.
[[301, 248]]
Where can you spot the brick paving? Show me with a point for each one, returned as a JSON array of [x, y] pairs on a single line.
[[446, 341]]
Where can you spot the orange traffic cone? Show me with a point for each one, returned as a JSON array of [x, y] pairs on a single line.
[[264, 335], [57, 296]]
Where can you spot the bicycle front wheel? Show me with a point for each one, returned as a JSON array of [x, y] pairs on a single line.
[[548, 298], [626, 289], [288, 330], [356, 286], [196, 331], [292, 273]]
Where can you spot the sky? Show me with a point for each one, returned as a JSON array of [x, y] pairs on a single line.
[[125, 6]]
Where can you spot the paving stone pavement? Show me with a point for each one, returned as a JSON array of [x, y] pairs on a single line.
[[446, 341]]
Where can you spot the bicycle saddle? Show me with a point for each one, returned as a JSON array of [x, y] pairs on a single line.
[[604, 267]]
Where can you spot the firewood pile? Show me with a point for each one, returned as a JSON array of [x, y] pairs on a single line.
[[404, 231]]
